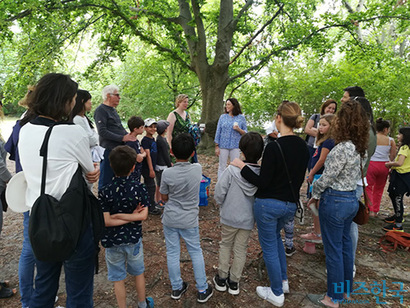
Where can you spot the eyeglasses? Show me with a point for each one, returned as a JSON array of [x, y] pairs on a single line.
[[115, 94]]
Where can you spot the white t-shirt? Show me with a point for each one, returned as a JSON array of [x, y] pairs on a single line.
[[92, 134], [68, 146]]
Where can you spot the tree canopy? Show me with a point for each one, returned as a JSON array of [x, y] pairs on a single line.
[[280, 47]]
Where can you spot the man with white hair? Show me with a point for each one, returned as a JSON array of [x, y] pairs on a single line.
[[110, 130]]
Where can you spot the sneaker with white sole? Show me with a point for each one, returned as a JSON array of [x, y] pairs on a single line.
[[233, 287], [285, 286], [267, 294], [220, 283]]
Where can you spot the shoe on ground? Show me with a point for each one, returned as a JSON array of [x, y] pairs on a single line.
[[150, 302], [220, 283], [154, 211], [267, 294], [317, 299], [203, 297], [354, 270], [285, 286], [393, 227], [290, 251], [176, 294], [233, 287], [390, 220], [312, 237]]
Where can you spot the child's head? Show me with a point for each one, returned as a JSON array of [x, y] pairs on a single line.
[[381, 125], [183, 146], [150, 126], [122, 160], [251, 145], [162, 126], [324, 127], [136, 123], [404, 136]]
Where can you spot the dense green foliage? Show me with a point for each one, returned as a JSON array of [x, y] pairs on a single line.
[[259, 51]]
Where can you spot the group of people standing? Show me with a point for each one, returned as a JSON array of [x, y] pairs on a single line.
[[337, 152]]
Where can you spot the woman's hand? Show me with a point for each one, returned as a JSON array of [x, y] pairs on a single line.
[[217, 151], [310, 178], [238, 163], [93, 176], [312, 201]]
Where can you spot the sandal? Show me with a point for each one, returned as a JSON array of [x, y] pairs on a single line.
[[6, 292]]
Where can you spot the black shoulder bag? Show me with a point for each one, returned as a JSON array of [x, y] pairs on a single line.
[[300, 212], [56, 226]]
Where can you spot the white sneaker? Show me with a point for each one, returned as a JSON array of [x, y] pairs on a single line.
[[285, 286], [354, 270], [267, 294]]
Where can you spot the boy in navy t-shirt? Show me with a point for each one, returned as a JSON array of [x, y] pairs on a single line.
[[124, 202], [148, 164], [136, 127]]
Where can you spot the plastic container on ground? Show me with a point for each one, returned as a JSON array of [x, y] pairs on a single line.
[[204, 191]]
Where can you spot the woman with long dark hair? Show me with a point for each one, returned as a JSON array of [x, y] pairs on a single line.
[[336, 189], [52, 101], [79, 117]]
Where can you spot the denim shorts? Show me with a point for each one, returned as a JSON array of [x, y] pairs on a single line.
[[124, 259]]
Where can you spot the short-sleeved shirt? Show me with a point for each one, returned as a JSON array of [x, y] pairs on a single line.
[[149, 144], [122, 195], [405, 151], [181, 183], [327, 144], [136, 174]]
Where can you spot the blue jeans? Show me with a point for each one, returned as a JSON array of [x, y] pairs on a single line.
[[106, 173], [26, 265], [193, 245], [336, 212], [79, 277], [271, 215], [354, 228]]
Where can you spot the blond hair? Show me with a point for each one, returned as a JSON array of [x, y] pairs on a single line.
[[291, 114], [323, 137], [179, 99]]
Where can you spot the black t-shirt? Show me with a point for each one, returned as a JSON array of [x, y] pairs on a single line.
[[273, 181]]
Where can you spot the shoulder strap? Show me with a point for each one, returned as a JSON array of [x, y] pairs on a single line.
[[43, 153], [287, 173]]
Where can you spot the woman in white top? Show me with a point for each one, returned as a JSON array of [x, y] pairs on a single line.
[[377, 172], [79, 117], [51, 102]]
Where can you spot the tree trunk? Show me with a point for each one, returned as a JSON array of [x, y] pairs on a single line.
[[213, 86]]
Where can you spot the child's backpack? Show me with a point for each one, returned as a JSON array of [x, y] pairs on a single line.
[[395, 239]]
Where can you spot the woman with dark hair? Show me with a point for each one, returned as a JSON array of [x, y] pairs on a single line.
[[377, 172], [79, 117], [275, 202], [52, 101], [231, 126], [336, 189]]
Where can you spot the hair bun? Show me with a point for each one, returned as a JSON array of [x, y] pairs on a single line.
[[379, 120]]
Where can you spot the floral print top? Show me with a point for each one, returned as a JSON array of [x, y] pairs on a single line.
[[342, 170], [226, 137]]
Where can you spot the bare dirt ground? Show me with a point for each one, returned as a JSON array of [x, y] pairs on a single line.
[[306, 272]]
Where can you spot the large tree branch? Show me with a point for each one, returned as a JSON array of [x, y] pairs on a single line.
[[190, 35], [244, 9], [200, 31], [256, 34], [173, 20]]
